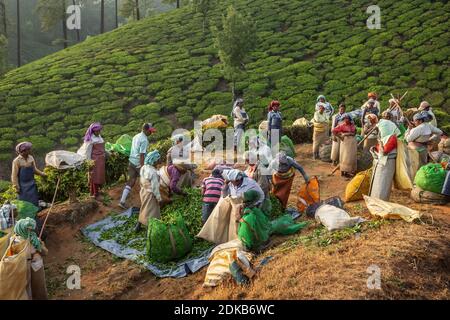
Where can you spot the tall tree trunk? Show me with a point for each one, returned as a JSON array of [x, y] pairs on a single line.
[[64, 26], [78, 31], [138, 16], [3, 8], [102, 16], [19, 62], [116, 15], [178, 4]]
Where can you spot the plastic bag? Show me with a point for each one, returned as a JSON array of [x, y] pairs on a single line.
[[61, 159], [358, 186], [333, 201], [308, 194], [25, 209], [334, 218], [388, 210], [167, 242], [430, 177], [285, 225], [123, 145]]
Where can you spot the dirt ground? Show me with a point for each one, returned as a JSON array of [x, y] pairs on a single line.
[[412, 258]]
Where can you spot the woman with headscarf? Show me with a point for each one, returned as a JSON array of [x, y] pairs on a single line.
[[274, 122], [329, 110], [25, 231], [370, 128], [425, 106], [177, 151], [384, 155], [370, 108], [337, 118], [254, 225], [236, 183], [320, 124], [93, 149], [346, 132], [420, 135], [255, 171], [150, 196], [372, 96], [22, 174], [240, 117], [283, 174]]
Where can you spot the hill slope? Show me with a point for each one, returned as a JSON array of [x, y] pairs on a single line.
[[163, 69]]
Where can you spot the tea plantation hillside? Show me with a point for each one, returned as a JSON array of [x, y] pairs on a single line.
[[165, 70]]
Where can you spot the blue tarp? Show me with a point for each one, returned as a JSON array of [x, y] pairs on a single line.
[[182, 269]]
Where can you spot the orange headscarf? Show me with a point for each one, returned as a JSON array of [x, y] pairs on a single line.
[[372, 95]]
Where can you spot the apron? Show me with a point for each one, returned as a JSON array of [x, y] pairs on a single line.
[[282, 184], [27, 184], [348, 154], [149, 204], [98, 171]]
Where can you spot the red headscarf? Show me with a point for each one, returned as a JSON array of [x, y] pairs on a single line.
[[273, 104]]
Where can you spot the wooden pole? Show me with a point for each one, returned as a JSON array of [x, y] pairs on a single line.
[[19, 62], [51, 207]]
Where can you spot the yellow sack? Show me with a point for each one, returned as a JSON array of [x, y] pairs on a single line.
[[14, 272], [4, 241], [402, 178], [320, 126], [358, 186], [263, 126], [388, 210], [220, 259], [216, 121], [302, 122]]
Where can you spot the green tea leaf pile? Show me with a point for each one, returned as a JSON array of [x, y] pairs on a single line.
[[189, 208]]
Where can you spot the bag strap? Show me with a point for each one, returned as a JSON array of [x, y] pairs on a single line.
[[251, 229], [187, 247], [172, 242]]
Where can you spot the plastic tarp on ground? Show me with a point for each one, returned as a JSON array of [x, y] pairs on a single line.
[[182, 269]]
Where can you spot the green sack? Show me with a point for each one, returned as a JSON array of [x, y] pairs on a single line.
[[430, 177], [123, 144], [167, 242], [287, 146], [285, 225], [254, 229], [25, 209]]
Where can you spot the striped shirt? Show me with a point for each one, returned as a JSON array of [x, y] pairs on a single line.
[[212, 189]]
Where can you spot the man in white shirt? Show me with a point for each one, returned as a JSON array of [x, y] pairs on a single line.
[[136, 160]]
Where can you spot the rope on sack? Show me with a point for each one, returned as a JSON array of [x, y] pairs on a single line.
[[51, 207]]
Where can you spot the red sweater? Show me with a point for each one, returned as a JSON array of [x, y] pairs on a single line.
[[390, 145]]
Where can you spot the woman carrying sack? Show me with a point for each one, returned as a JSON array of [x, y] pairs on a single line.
[[320, 123], [254, 225], [283, 168], [346, 132], [335, 121], [384, 155], [24, 230]]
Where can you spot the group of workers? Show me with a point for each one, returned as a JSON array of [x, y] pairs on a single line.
[[380, 132], [265, 173]]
